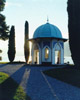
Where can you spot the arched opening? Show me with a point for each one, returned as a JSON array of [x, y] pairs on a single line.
[[57, 54], [46, 53], [36, 54], [57, 57]]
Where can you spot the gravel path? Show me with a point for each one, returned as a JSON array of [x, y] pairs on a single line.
[[39, 86]]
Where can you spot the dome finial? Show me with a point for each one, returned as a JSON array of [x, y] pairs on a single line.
[[47, 19]]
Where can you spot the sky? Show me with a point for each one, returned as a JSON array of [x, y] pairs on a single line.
[[35, 12]]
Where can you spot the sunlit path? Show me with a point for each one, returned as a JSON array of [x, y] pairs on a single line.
[[10, 68]]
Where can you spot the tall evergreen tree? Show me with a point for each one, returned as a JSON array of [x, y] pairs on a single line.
[[26, 42], [0, 56], [11, 45], [74, 29], [3, 27], [0, 51]]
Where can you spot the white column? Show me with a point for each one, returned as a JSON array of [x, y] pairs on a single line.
[[40, 56], [62, 56], [53, 56], [32, 54], [43, 55]]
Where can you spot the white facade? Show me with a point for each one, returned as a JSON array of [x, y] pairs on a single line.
[[55, 54]]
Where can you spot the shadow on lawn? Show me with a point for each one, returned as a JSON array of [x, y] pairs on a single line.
[[9, 86], [67, 75]]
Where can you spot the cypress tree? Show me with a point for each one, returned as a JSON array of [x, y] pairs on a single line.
[[11, 45], [74, 29], [26, 42], [0, 51], [0, 56]]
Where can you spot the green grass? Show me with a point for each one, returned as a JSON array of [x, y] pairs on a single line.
[[15, 62], [3, 62], [68, 75], [3, 77], [10, 90], [20, 95]]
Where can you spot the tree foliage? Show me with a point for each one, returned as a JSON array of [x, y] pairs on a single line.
[[11, 45], [0, 51], [3, 27], [26, 43], [2, 4], [74, 29]]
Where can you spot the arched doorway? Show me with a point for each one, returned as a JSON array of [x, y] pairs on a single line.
[[57, 57], [57, 51]]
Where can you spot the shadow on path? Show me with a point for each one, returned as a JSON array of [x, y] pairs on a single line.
[[3, 65], [9, 86], [67, 75], [18, 75]]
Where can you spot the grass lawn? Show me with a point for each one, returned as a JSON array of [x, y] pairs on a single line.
[[3, 62], [15, 62], [67, 75], [10, 90]]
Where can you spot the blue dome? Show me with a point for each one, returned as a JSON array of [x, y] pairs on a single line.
[[47, 30]]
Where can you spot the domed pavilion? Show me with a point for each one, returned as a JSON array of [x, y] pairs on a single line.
[[47, 45]]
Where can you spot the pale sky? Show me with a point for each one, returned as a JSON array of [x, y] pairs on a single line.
[[35, 12]]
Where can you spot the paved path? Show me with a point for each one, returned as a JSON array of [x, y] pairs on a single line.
[[39, 86]]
